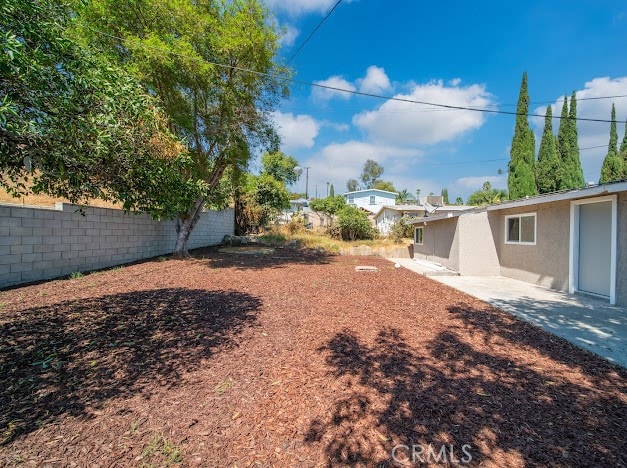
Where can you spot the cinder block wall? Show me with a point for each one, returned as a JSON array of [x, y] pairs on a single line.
[[42, 243]]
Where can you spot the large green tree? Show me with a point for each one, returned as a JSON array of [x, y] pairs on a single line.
[[576, 179], [352, 185], [386, 185], [612, 168], [74, 125], [445, 196], [280, 166], [521, 178], [549, 165], [371, 173], [197, 58]]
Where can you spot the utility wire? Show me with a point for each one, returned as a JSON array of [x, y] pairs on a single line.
[[357, 93], [313, 32]]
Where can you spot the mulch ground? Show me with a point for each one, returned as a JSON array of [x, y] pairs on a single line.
[[292, 359]]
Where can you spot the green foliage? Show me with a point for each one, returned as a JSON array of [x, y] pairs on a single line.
[[404, 197], [331, 191], [354, 224], [445, 196], [521, 180], [574, 161], [328, 206], [352, 185], [384, 185], [297, 223], [401, 230], [548, 167], [76, 126], [371, 173], [612, 169], [172, 47], [280, 166], [487, 195], [76, 275], [459, 201]]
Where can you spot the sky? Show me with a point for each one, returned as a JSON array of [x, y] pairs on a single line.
[[459, 53]]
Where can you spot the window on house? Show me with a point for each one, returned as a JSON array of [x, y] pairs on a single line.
[[351, 199], [418, 233], [372, 199], [520, 229]]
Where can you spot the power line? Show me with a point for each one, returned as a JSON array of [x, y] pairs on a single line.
[[313, 32], [355, 92]]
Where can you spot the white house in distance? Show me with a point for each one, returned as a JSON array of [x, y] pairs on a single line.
[[370, 199], [573, 241]]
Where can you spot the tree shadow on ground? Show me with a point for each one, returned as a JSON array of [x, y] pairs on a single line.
[[450, 393], [66, 358], [278, 259]]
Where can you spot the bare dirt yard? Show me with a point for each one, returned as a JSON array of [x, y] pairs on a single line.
[[291, 359]]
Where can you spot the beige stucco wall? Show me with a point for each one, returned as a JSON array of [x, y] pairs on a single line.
[[478, 239], [440, 243], [546, 263], [621, 257]]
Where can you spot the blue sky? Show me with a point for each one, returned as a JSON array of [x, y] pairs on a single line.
[[460, 53]]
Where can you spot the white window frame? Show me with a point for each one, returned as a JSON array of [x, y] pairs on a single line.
[[372, 200], [573, 261], [422, 230], [522, 215]]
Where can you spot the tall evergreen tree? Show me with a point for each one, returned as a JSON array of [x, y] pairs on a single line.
[[549, 165], [623, 151], [331, 191], [612, 168], [574, 162], [521, 180], [563, 150], [445, 196]]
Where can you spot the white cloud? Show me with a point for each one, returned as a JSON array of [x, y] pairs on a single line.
[[407, 123], [455, 81], [335, 81], [476, 183], [296, 131], [301, 7], [375, 81], [290, 33], [592, 134]]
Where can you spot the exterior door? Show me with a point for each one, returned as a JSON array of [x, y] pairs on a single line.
[[595, 241]]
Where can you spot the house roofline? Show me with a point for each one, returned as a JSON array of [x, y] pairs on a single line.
[[370, 190]]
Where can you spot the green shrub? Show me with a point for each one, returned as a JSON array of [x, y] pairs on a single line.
[[297, 223], [401, 230], [354, 224]]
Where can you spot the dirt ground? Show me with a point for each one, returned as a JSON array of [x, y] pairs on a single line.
[[291, 359]]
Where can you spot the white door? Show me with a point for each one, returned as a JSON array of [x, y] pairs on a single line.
[[595, 241]]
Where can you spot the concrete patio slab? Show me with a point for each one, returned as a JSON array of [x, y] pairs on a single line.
[[589, 323]]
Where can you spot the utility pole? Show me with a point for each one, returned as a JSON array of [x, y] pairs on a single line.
[[316, 190], [307, 183]]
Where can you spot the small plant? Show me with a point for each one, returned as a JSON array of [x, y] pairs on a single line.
[[401, 230], [76, 275], [116, 268], [223, 386], [297, 223], [162, 259], [161, 445]]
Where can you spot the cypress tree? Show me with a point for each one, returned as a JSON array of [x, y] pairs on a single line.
[[623, 151], [563, 149], [445, 196], [331, 191], [574, 162], [548, 166], [521, 180], [612, 168]]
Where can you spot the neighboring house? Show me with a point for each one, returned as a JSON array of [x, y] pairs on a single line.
[[370, 199], [389, 214], [572, 241]]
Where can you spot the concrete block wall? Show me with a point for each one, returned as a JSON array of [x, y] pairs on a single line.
[[39, 243]]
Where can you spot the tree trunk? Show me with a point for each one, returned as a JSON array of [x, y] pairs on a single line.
[[185, 223]]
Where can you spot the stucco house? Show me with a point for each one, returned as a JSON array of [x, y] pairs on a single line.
[[387, 215], [370, 199], [573, 241]]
